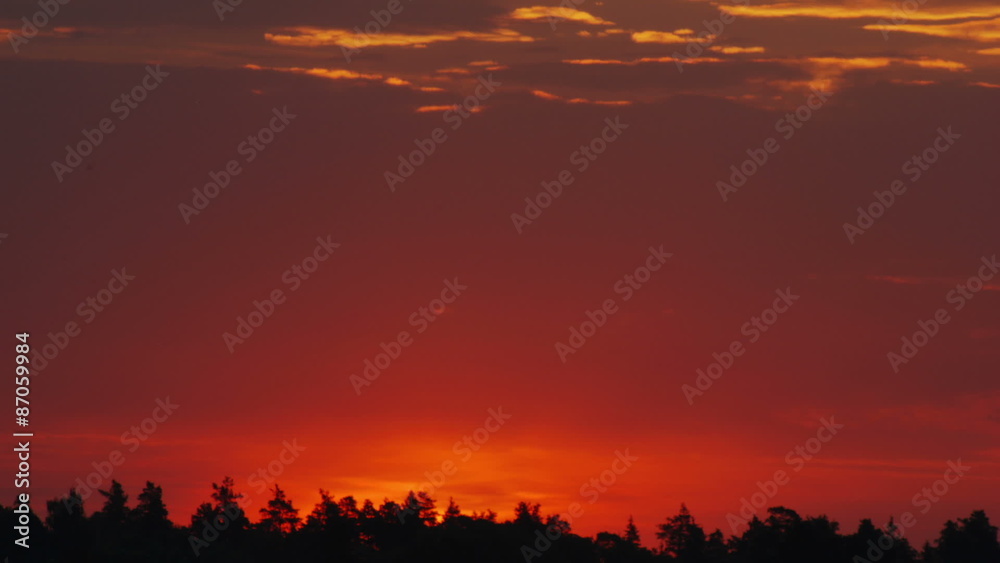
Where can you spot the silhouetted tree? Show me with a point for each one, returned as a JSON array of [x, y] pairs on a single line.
[[682, 538], [452, 511], [110, 538], [487, 515], [70, 529], [970, 540], [219, 526], [631, 532], [338, 531], [151, 514], [527, 515], [329, 530], [279, 516], [115, 511]]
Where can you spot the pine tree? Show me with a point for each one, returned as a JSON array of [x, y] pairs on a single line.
[[279, 516], [631, 532], [151, 513], [115, 510], [681, 537], [453, 511]]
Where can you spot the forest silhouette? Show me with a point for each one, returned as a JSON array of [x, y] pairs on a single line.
[[414, 530]]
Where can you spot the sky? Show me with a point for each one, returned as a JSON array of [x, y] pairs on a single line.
[[705, 164]]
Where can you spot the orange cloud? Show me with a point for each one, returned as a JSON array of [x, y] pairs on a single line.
[[342, 74], [881, 10], [827, 71], [536, 13], [660, 37], [453, 70], [637, 61], [851, 63], [736, 50], [594, 62], [336, 73], [319, 37], [939, 63], [552, 97], [428, 109], [545, 95], [59, 32], [984, 30]]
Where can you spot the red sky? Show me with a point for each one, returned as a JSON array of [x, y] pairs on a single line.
[[494, 346]]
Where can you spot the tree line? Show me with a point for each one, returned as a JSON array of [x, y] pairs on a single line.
[[414, 531]]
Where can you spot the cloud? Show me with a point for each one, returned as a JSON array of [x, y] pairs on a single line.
[[596, 62], [852, 63], [320, 37], [661, 37], [556, 13], [331, 73], [344, 74], [642, 60], [431, 109], [555, 98], [881, 10], [62, 32], [829, 72], [736, 50], [977, 30]]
